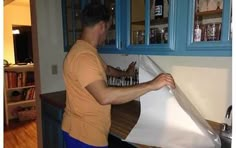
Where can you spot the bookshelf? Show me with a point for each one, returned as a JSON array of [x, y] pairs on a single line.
[[19, 91]]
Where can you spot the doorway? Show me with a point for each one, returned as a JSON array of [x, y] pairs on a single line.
[[32, 54], [22, 38]]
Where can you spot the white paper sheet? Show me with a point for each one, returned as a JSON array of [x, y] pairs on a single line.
[[163, 122]]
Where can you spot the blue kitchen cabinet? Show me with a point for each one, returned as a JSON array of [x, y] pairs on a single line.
[[52, 108], [134, 25], [51, 125], [119, 38]]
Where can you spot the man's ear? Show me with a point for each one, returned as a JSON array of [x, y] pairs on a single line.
[[102, 26]]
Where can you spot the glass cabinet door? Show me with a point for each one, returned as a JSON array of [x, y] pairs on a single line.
[[209, 27], [111, 36], [137, 26], [159, 14], [230, 25], [158, 21], [71, 11], [209, 21], [111, 5]]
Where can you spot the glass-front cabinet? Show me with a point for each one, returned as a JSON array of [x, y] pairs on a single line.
[[159, 27], [71, 12], [150, 26], [158, 21], [209, 28]]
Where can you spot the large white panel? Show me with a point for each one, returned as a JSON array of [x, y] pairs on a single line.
[[206, 81]]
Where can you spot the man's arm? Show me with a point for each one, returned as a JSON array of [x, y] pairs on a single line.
[[130, 71], [119, 95]]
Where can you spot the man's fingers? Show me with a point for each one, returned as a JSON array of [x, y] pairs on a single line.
[[169, 79], [132, 63]]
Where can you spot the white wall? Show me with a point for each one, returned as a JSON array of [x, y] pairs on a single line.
[[205, 80], [50, 44]]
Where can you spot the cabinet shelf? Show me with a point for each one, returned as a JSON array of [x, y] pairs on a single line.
[[17, 88], [19, 67], [153, 22], [209, 13], [21, 102]]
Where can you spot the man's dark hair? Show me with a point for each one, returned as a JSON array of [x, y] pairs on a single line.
[[94, 13]]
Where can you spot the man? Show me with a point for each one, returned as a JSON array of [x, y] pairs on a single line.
[[86, 120]]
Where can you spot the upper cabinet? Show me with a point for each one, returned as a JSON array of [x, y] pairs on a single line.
[[209, 27], [159, 27]]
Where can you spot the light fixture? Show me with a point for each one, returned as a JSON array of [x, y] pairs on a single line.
[[16, 31]]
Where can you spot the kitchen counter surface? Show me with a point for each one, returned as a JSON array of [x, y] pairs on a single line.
[[123, 117]]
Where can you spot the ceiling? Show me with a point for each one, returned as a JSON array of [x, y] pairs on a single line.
[[17, 2]]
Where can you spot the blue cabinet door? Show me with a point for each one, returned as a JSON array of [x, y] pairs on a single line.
[[51, 126], [71, 13], [134, 17], [156, 35], [52, 133], [112, 43], [213, 19]]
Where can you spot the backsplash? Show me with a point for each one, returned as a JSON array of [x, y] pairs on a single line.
[[124, 80]]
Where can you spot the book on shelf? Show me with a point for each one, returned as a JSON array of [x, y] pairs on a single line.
[[6, 85], [28, 94], [18, 79]]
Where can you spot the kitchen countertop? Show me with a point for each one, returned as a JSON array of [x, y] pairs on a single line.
[[123, 117]]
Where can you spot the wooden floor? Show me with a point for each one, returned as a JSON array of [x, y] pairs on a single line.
[[20, 135]]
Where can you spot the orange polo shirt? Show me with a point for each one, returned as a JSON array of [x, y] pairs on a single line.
[[84, 118]]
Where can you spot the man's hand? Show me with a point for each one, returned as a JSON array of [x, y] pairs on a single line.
[[163, 79], [130, 71]]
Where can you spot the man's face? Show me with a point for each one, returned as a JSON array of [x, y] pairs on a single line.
[[107, 26]]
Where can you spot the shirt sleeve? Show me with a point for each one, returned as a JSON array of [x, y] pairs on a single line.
[[88, 69]]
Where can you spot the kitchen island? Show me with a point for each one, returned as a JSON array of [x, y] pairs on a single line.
[[123, 119]]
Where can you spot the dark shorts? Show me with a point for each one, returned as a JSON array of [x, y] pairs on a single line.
[[74, 143]]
